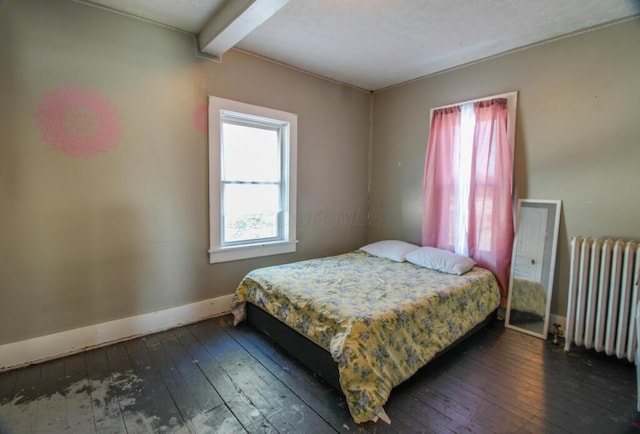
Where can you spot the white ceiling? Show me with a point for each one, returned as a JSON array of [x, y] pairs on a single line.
[[373, 44]]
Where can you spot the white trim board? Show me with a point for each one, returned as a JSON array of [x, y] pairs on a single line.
[[42, 348]]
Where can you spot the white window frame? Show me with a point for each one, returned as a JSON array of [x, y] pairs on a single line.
[[218, 251]]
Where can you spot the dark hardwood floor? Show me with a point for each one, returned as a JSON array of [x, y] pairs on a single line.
[[211, 377]]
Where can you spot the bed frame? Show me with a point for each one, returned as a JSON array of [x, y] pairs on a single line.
[[311, 354]]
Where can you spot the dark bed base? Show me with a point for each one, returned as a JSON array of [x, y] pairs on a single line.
[[311, 354]]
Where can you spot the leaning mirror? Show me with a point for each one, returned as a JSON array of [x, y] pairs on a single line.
[[532, 266]]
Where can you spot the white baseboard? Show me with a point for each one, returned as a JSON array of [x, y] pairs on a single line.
[[42, 348]]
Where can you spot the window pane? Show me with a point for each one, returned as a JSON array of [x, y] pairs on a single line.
[[250, 212], [250, 153]]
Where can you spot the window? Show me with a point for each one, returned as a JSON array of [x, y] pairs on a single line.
[[252, 180], [465, 170], [467, 190]]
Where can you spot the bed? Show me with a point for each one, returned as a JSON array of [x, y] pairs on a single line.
[[365, 323]]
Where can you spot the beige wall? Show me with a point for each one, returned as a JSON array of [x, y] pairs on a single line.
[[578, 136], [87, 240]]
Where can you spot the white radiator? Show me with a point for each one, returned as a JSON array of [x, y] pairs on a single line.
[[603, 292]]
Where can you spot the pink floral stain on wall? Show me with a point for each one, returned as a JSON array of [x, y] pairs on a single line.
[[201, 118], [78, 121]]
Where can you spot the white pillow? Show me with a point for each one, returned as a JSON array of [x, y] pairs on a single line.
[[441, 260], [390, 249]]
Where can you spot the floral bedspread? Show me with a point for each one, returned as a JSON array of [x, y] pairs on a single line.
[[380, 320], [528, 296]]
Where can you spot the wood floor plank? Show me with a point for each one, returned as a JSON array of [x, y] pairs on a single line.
[[106, 408], [329, 403], [22, 416], [180, 393], [218, 419], [238, 403], [461, 415], [52, 414], [202, 390], [494, 386], [78, 407], [154, 402], [490, 387], [404, 421], [128, 388], [7, 383], [474, 405], [432, 388], [431, 419], [287, 413], [27, 382], [234, 365], [528, 380], [213, 414]]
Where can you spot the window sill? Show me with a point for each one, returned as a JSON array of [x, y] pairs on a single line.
[[227, 254]]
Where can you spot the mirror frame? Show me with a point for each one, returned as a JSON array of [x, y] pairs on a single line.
[[556, 206]]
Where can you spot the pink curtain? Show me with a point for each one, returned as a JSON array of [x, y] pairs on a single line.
[[439, 188], [487, 220]]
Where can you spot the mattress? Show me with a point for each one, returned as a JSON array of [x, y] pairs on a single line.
[[380, 320]]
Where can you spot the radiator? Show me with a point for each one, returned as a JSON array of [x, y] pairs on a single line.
[[603, 292]]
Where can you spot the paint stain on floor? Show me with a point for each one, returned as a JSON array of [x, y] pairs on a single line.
[[120, 402]]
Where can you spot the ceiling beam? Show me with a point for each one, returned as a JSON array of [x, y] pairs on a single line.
[[235, 20]]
